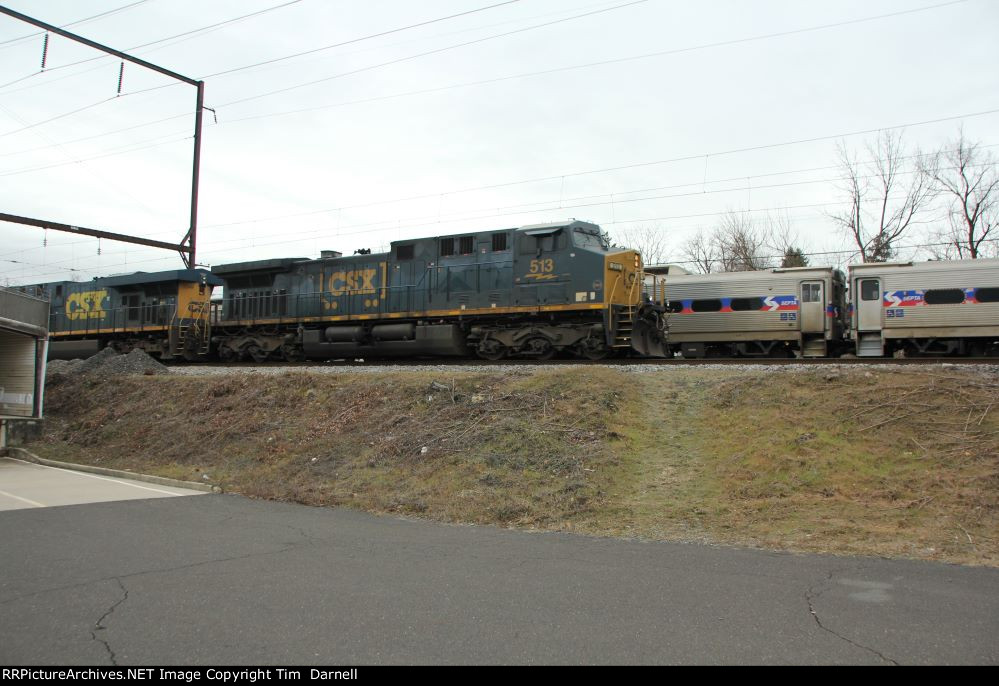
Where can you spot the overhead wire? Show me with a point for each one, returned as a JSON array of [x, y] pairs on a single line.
[[76, 22], [114, 152], [813, 253], [436, 51], [710, 154], [624, 167], [588, 65], [189, 33], [551, 71], [358, 40], [615, 195]]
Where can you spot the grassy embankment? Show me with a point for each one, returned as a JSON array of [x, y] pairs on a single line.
[[898, 464]]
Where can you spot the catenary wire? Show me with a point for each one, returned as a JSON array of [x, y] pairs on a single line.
[[603, 170], [614, 195], [436, 51], [357, 40], [619, 60], [539, 73], [77, 22]]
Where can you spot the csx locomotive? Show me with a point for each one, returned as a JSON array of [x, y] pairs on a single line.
[[166, 314], [529, 292]]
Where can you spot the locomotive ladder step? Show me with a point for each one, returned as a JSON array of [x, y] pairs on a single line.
[[204, 345], [625, 326]]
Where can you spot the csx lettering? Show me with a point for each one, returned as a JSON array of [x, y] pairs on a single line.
[[86, 305], [357, 282]]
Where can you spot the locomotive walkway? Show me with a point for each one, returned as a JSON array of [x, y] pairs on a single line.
[[226, 580]]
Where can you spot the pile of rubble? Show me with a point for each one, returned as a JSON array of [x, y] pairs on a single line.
[[106, 363]]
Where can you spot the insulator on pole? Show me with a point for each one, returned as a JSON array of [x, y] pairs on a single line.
[[45, 240], [98, 247], [45, 51], [121, 77]]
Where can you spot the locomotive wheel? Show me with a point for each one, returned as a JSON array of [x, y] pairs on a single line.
[[592, 349], [292, 354], [539, 348], [491, 350], [257, 354]]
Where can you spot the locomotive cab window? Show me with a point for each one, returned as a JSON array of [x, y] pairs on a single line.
[[589, 238], [404, 252], [447, 247], [548, 241], [811, 293], [499, 242], [466, 245], [945, 296]]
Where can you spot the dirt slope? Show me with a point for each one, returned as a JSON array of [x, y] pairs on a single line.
[[899, 463]]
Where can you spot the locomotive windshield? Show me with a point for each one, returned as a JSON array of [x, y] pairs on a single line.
[[590, 238]]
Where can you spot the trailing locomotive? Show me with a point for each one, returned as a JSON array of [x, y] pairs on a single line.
[[529, 292], [166, 314]]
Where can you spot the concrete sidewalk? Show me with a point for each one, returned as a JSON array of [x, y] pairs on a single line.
[[28, 485]]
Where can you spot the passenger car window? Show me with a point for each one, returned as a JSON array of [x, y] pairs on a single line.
[[811, 293], [944, 296], [987, 295], [747, 304], [870, 289], [706, 306]]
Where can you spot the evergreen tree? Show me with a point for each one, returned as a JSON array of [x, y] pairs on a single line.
[[793, 257]]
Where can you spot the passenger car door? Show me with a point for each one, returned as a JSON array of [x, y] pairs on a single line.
[[868, 304]]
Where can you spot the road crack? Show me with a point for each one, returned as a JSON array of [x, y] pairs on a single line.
[[99, 625], [811, 595]]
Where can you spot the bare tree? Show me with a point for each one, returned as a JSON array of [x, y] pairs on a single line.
[[650, 240], [742, 245], [700, 251], [882, 180], [968, 178]]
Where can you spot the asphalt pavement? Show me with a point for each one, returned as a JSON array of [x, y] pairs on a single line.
[[226, 580]]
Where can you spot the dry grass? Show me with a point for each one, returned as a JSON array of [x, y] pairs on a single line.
[[903, 464], [479, 448], [896, 464]]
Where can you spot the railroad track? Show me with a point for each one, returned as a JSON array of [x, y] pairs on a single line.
[[617, 362]]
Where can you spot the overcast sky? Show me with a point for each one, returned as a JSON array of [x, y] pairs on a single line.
[[541, 118]]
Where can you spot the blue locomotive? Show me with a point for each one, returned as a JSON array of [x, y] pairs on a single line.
[[527, 292]]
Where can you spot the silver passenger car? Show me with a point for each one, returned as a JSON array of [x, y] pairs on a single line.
[[769, 313], [925, 308]]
